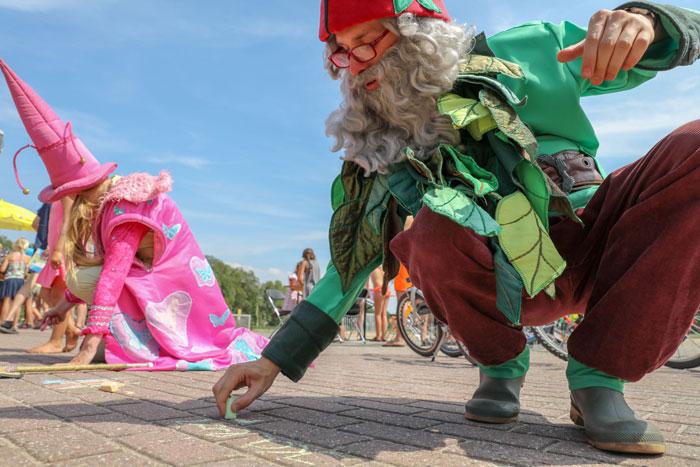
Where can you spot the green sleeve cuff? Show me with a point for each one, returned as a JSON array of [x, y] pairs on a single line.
[[581, 376], [681, 47], [306, 333], [514, 368]]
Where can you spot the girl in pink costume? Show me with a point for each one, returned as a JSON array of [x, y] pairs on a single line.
[[132, 258]]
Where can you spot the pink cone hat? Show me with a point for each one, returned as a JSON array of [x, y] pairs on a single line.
[[71, 166]]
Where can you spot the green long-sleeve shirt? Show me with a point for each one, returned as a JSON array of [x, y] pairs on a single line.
[[553, 112]]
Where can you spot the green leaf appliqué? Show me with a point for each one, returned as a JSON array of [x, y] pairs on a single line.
[[527, 244], [429, 5], [401, 5], [461, 110], [481, 64], [461, 209], [509, 286]]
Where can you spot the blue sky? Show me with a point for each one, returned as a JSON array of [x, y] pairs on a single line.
[[230, 96]]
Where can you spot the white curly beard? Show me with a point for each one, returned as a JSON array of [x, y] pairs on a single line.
[[373, 127]]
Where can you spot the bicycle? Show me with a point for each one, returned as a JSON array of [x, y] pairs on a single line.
[[555, 336], [422, 331]]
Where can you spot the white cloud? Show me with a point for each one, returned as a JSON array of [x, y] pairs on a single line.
[[193, 162], [637, 116]]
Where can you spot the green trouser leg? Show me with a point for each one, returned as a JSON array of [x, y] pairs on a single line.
[[598, 404], [497, 399]]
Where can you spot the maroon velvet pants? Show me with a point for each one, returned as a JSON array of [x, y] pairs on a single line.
[[634, 269]]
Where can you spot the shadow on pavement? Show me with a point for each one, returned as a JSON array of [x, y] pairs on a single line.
[[374, 428]]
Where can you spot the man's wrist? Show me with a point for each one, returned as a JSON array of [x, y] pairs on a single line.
[[650, 15], [269, 365]]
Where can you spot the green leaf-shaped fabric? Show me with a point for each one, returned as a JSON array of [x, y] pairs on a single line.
[[354, 243], [401, 5], [535, 187], [493, 84], [526, 243], [465, 112], [377, 202], [481, 180], [404, 187], [526, 176], [509, 122], [509, 286], [337, 193], [428, 4], [461, 209], [482, 64], [419, 166]]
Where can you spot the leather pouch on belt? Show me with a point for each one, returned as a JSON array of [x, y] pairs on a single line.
[[570, 170]]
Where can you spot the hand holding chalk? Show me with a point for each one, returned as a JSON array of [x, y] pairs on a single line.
[[230, 411], [257, 376]]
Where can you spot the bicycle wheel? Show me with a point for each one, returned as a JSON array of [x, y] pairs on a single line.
[[465, 352], [417, 325], [688, 353], [555, 336], [451, 347]]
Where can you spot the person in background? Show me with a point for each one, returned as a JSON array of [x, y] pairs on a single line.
[[24, 296], [402, 282], [15, 267], [293, 295], [381, 302], [308, 271]]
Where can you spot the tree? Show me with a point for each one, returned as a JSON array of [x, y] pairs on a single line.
[[242, 290], [5, 242]]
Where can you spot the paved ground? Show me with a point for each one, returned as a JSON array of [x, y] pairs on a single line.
[[361, 405]]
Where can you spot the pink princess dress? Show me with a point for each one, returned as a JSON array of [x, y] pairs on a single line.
[[166, 310]]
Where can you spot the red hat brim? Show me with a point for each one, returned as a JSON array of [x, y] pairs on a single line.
[[51, 194]]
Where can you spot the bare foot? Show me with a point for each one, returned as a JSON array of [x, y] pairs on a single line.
[[72, 337], [49, 347]]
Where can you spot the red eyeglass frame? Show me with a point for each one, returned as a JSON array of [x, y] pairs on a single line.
[[350, 53]]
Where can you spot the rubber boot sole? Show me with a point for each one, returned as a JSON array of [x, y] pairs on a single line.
[[492, 420], [628, 448]]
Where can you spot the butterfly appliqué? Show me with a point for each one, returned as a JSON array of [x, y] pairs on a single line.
[[171, 231], [203, 273], [218, 321], [118, 211]]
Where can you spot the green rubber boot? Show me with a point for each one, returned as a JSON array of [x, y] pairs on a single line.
[[611, 424], [496, 400]]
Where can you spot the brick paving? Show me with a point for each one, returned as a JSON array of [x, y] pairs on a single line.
[[361, 405]]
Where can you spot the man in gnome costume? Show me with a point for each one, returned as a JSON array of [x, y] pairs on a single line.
[[131, 256], [485, 141]]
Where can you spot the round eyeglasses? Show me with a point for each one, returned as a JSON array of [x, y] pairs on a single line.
[[362, 53]]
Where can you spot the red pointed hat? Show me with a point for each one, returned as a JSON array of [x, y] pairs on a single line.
[[71, 166], [337, 15]]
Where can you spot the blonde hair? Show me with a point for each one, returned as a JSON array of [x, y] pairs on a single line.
[[21, 244], [77, 249]]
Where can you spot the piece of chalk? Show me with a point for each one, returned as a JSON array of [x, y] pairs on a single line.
[[111, 386], [230, 413]]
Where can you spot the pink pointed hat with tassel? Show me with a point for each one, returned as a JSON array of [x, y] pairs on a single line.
[[71, 166]]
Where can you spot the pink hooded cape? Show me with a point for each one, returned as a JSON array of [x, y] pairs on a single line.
[[171, 314]]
